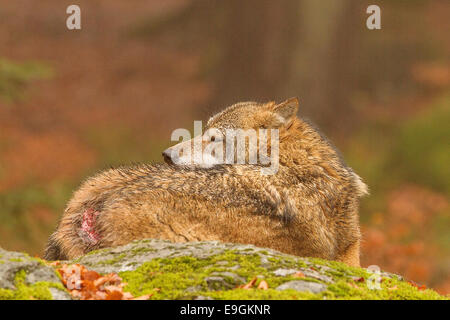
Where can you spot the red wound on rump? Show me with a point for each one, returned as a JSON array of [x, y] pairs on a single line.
[[88, 224]]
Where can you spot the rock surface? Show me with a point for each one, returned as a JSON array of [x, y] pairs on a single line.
[[23, 277], [303, 286], [207, 270]]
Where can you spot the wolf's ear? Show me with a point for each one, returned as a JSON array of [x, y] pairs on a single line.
[[287, 110]]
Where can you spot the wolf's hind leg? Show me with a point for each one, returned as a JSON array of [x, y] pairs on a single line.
[[351, 255], [53, 250]]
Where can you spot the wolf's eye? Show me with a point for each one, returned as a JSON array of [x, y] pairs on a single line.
[[214, 138]]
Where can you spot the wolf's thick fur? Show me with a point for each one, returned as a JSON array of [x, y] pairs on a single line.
[[308, 208]]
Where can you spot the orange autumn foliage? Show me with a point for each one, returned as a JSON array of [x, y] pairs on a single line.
[[87, 284]]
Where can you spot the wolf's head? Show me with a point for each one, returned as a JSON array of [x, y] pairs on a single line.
[[265, 134], [254, 115], [244, 133]]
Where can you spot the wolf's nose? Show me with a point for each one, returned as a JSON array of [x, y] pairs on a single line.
[[167, 156]]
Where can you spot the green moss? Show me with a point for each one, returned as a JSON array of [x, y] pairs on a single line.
[[113, 260], [141, 250], [287, 263], [90, 253], [391, 289], [339, 270], [256, 294], [172, 276], [187, 277], [16, 260], [39, 290]]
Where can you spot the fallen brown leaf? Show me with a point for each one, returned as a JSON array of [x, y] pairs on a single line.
[[87, 284], [248, 285], [263, 285], [419, 287], [299, 275]]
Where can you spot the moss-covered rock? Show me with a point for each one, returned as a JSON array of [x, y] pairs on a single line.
[[23, 277], [214, 270]]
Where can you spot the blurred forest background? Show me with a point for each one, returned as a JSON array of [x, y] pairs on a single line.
[[75, 102]]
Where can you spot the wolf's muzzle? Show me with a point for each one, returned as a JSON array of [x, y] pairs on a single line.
[[167, 154]]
